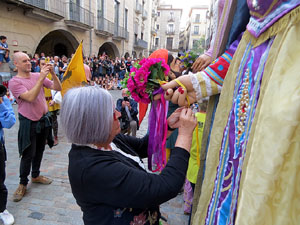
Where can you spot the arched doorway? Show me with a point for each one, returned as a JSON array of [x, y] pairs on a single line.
[[126, 55], [140, 55], [134, 55], [58, 43], [109, 49]]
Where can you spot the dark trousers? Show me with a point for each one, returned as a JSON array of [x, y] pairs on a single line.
[[3, 189], [32, 156], [54, 122]]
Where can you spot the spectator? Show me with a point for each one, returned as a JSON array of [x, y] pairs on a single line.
[[56, 67], [12, 68], [7, 120], [35, 125], [128, 64], [128, 109], [107, 176], [4, 51], [63, 65], [87, 69]]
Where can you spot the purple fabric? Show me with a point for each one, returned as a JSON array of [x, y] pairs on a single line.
[[157, 124], [259, 22], [223, 204]]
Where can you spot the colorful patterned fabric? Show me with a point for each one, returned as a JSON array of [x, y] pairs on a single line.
[[264, 13], [254, 178], [247, 87], [218, 69]]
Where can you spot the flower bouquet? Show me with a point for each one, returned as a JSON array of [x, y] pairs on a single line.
[[143, 82], [188, 58]]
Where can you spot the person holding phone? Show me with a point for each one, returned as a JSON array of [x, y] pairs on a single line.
[[34, 119], [129, 111]]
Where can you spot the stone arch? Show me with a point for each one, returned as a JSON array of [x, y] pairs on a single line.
[[140, 55], [110, 49], [58, 42], [126, 55], [134, 55]]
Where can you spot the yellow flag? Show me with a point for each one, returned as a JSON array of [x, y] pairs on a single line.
[[74, 75]]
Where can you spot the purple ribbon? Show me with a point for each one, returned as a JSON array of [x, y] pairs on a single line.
[[158, 128]]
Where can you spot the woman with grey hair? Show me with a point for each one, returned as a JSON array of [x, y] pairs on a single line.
[[107, 176]]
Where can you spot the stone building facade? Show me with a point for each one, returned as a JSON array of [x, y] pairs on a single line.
[[167, 27], [56, 27]]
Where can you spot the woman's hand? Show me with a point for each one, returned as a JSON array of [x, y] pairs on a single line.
[[201, 63], [187, 124], [173, 120]]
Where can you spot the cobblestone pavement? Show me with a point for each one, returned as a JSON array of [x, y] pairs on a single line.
[[54, 204]]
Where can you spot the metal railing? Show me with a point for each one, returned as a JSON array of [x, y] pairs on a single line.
[[54, 6], [141, 43], [79, 14], [145, 15], [105, 25], [171, 19], [153, 13], [119, 32], [170, 32]]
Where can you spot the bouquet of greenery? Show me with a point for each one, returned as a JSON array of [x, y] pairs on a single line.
[[188, 58]]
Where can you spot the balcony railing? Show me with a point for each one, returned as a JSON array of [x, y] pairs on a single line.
[[144, 15], [119, 32], [83, 17], [138, 8], [170, 32], [105, 27], [154, 48], [171, 19], [140, 44], [153, 13], [53, 6]]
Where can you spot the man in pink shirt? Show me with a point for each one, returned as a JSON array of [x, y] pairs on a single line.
[[87, 69], [35, 126]]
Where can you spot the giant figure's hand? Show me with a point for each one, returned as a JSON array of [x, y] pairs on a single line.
[[201, 63], [179, 95]]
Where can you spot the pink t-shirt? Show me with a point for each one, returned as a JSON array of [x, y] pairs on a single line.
[[31, 110], [87, 72]]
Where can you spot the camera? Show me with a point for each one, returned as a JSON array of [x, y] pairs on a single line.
[[126, 99], [3, 90]]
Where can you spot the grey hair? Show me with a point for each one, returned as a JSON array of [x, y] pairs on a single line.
[[87, 115]]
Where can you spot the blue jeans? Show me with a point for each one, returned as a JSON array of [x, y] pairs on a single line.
[[2, 56]]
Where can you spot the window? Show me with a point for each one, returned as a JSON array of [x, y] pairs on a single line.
[[170, 28], [196, 29], [172, 15], [117, 6], [100, 10], [156, 41], [142, 35], [195, 43], [126, 19], [157, 26], [197, 18], [169, 43], [158, 13]]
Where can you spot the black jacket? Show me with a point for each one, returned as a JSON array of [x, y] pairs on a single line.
[[113, 189]]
